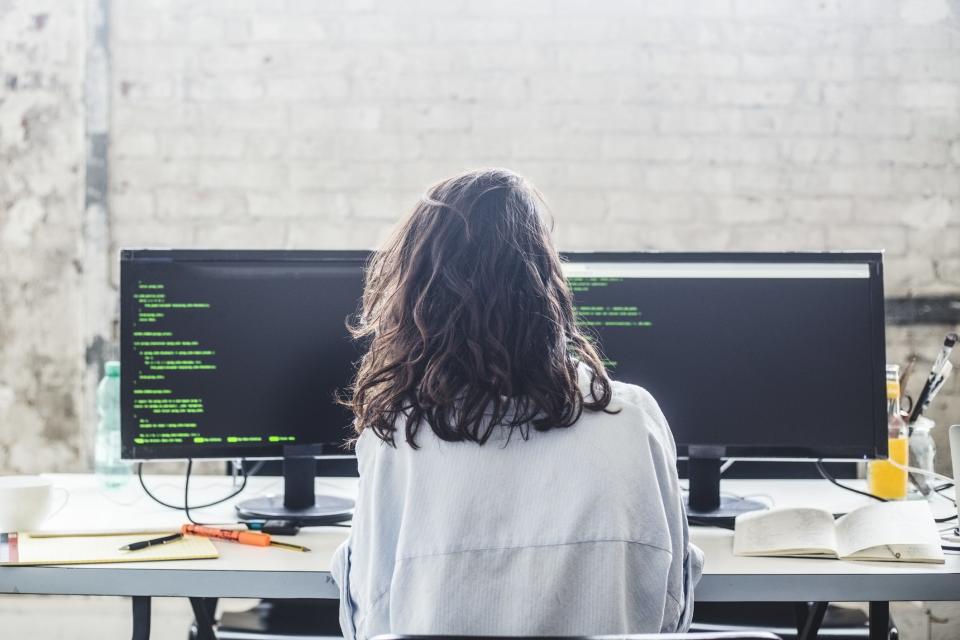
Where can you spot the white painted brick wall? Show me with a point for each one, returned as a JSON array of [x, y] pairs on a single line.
[[789, 125], [709, 124], [712, 125], [41, 152]]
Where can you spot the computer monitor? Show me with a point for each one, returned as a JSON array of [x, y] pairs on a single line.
[[230, 354], [240, 354], [758, 355]]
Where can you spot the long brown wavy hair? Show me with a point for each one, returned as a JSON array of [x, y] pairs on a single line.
[[470, 321]]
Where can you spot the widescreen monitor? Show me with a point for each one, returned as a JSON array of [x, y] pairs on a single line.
[[761, 355], [240, 354], [230, 354]]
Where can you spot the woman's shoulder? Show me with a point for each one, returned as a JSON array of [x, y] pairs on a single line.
[[636, 408], [622, 393], [633, 395]]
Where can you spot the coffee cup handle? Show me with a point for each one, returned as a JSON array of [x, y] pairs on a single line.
[[63, 503]]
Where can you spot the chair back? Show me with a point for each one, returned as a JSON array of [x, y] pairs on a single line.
[[719, 635]]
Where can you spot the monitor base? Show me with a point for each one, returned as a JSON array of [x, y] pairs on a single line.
[[705, 505], [325, 510], [725, 513], [299, 503]]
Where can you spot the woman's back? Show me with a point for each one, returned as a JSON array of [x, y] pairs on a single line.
[[507, 486], [572, 531]]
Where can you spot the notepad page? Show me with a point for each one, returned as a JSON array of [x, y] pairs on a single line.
[[908, 524], [785, 532], [106, 549]]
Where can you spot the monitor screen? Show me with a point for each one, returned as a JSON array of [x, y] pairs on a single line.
[[774, 355], [228, 354], [236, 354]]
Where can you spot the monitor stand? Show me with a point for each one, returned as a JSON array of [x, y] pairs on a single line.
[[705, 504], [298, 503]]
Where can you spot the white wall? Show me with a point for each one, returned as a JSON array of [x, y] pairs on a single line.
[[671, 125], [41, 177], [714, 124]]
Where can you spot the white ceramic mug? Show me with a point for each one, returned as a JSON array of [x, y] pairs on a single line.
[[26, 501]]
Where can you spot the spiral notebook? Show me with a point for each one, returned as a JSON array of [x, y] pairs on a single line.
[[19, 549]]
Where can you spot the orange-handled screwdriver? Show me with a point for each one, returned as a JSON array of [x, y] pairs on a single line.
[[253, 538]]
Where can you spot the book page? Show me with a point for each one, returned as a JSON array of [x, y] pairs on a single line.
[[901, 553], [904, 524], [785, 532]]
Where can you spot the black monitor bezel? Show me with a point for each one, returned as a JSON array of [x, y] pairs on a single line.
[[132, 451], [875, 447]]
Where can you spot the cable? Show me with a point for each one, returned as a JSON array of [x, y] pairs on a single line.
[[252, 471], [944, 487], [922, 472], [827, 476], [931, 474], [832, 480], [936, 491], [186, 506], [186, 492]]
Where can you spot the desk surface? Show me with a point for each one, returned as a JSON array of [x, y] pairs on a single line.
[[254, 572]]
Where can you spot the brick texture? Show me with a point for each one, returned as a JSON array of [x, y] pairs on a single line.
[[41, 151], [711, 125], [696, 125], [693, 125]]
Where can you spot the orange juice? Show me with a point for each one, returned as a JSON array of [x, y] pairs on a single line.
[[886, 480]]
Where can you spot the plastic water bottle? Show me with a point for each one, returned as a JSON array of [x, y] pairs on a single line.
[[923, 451], [111, 470]]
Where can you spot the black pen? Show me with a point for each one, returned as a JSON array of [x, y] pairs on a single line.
[[942, 356], [136, 546]]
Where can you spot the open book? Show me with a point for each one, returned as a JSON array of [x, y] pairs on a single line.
[[890, 531]]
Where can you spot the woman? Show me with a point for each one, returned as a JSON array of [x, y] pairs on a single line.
[[507, 485]]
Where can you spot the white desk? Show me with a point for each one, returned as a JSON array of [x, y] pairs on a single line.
[[275, 573], [731, 578], [240, 571]]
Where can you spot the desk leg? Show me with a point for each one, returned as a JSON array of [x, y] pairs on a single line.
[[801, 611], [813, 620], [204, 617], [879, 621], [141, 617]]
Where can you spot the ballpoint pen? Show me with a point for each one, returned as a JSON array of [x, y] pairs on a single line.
[[939, 362], [938, 383], [136, 546]]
